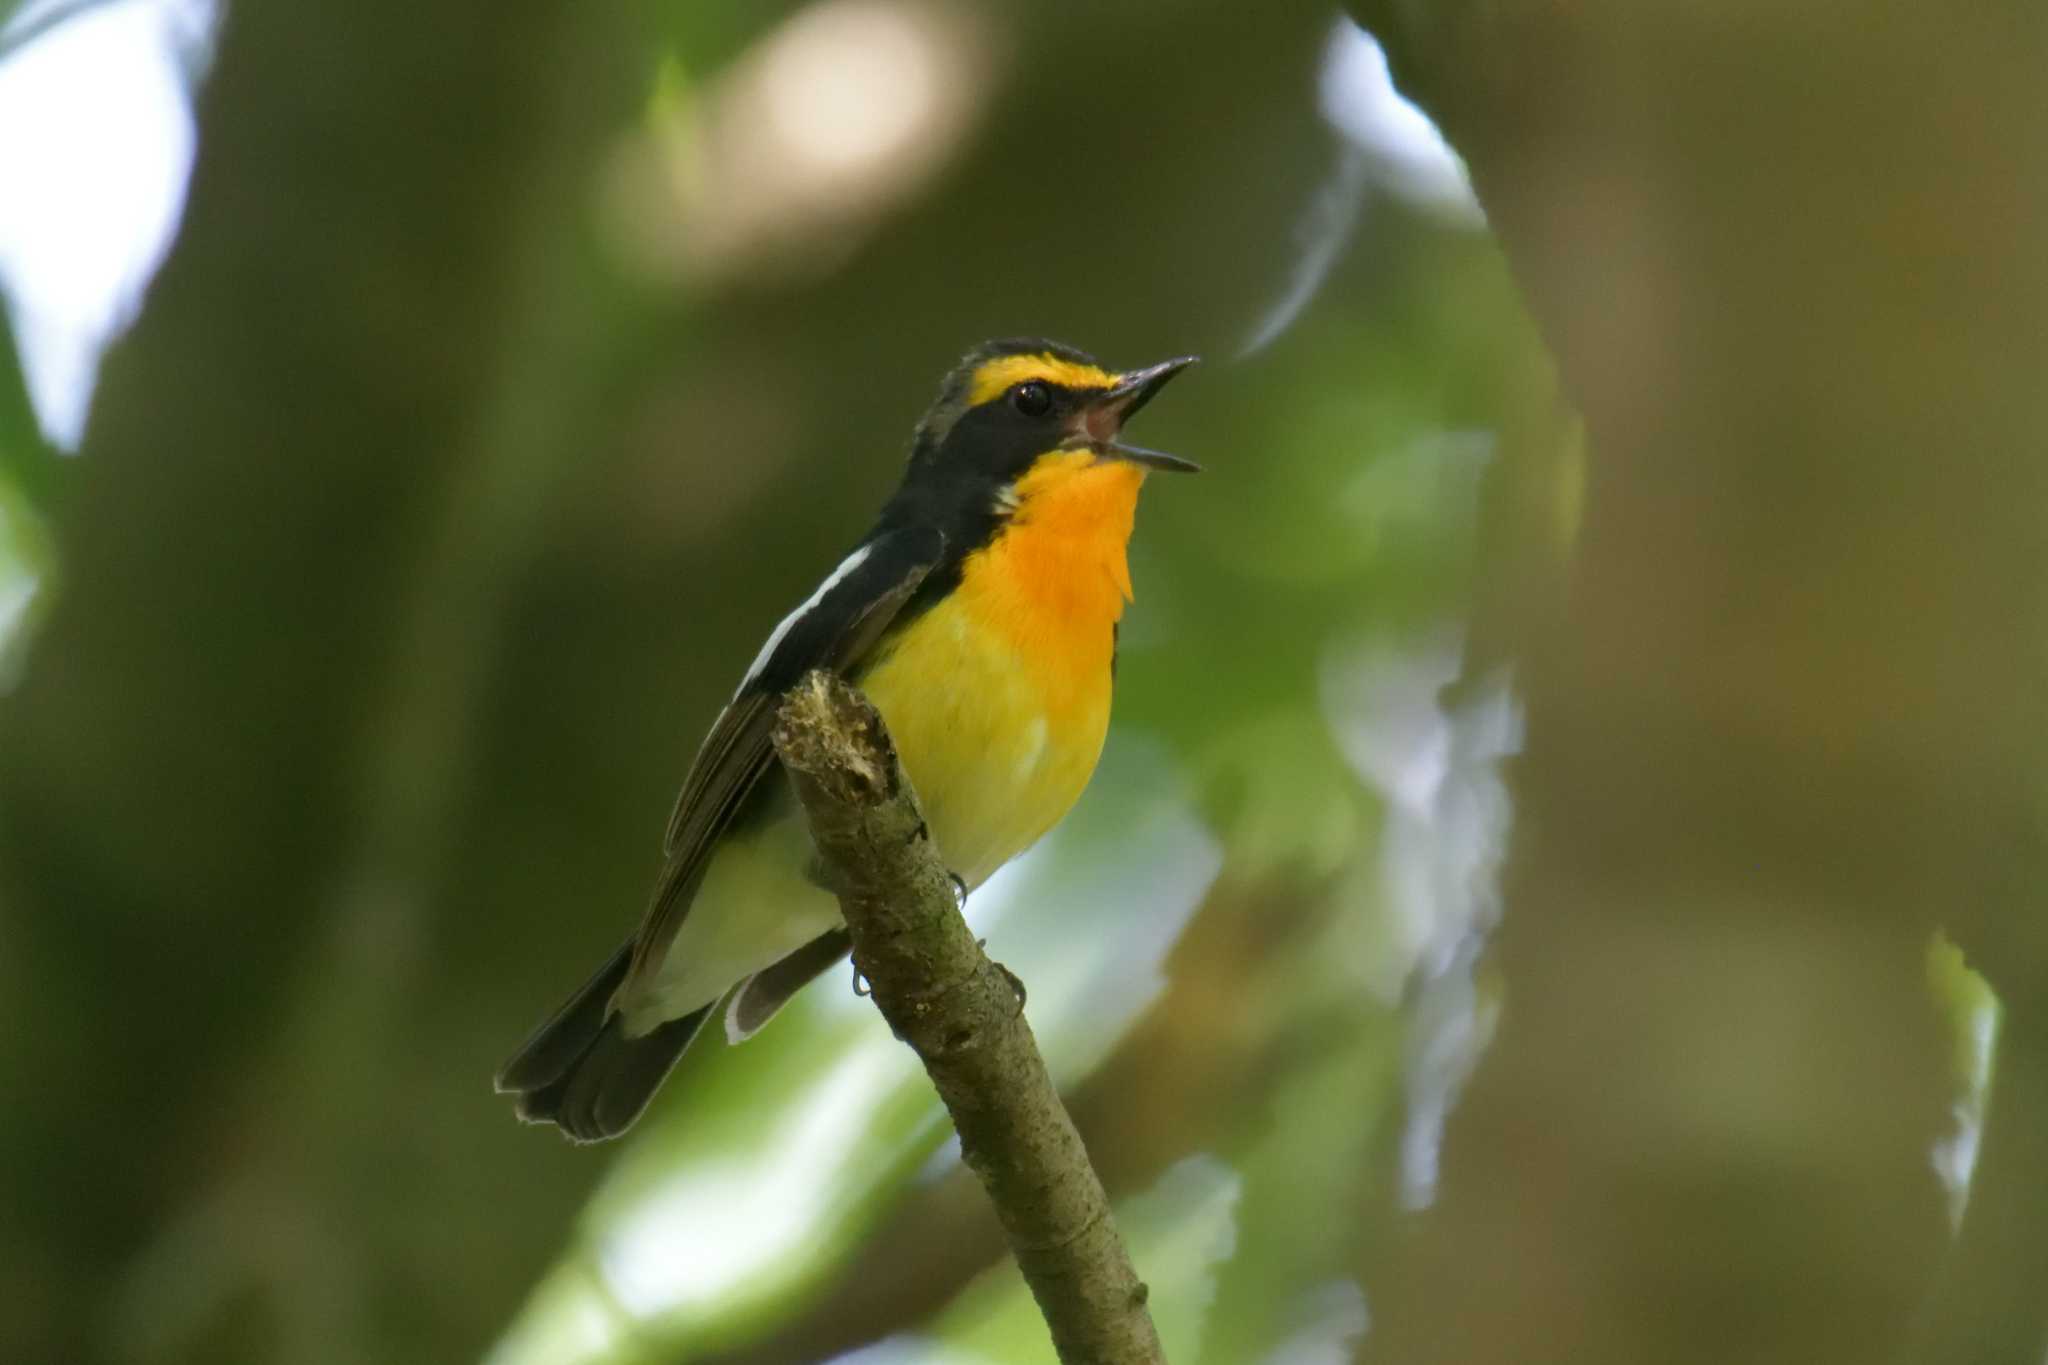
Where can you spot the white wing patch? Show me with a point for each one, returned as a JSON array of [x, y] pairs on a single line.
[[847, 566]]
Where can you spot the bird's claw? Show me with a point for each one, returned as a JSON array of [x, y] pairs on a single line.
[[1016, 984]]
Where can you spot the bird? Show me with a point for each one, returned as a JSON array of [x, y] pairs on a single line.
[[980, 618]]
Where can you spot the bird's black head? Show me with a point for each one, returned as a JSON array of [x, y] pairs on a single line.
[[1028, 434], [1008, 403]]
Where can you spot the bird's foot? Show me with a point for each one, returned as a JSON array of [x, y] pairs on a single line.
[[1016, 984]]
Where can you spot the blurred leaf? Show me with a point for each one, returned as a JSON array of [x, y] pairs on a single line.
[[33, 477], [28, 462], [1972, 1011]]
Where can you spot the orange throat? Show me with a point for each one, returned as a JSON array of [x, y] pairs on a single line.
[[1055, 579], [999, 696]]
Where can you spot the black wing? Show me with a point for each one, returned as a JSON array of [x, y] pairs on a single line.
[[835, 629]]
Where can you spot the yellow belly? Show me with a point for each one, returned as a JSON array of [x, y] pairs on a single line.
[[998, 699], [998, 740]]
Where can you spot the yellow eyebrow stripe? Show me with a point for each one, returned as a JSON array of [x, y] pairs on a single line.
[[996, 376]]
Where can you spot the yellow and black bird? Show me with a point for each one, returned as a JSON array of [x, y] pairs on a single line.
[[980, 617]]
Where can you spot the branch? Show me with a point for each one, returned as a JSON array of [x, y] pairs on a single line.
[[963, 1016]]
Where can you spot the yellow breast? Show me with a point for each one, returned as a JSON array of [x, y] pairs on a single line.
[[998, 697]]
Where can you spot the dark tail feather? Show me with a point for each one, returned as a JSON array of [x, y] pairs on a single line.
[[606, 1088], [568, 1033], [579, 1070]]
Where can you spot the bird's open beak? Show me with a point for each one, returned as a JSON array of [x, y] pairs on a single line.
[[1101, 420]]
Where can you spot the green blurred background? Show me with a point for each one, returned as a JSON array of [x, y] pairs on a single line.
[[1650, 567]]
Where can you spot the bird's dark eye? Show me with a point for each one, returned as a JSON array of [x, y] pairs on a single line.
[[1032, 398]]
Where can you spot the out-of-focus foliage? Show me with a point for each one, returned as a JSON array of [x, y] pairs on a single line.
[[1784, 721], [30, 488], [714, 331], [517, 369], [1345, 458]]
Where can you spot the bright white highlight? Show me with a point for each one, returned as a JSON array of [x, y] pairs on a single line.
[[1408, 154], [1955, 1155], [847, 85], [1449, 814], [1323, 233], [1390, 144], [786, 160], [718, 1231], [1336, 1319], [96, 143]]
